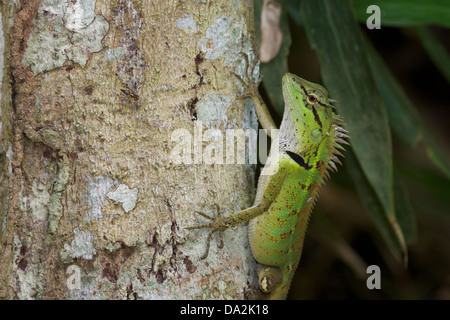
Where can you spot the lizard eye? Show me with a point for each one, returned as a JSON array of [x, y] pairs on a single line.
[[312, 98]]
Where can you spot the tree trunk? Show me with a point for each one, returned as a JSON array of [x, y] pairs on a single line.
[[95, 94]]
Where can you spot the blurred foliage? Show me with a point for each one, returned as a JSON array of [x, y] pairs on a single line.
[[406, 13], [395, 169]]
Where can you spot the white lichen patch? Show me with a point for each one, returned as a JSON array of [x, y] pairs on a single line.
[[79, 14], [81, 246], [64, 30], [125, 195], [12, 6], [226, 39], [250, 120], [99, 189], [55, 208], [114, 54], [187, 24], [94, 195], [212, 109], [39, 201], [28, 278], [9, 155], [218, 41], [53, 8], [111, 247], [229, 40]]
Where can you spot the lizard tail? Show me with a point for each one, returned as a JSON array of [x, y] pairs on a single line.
[[281, 291], [287, 270]]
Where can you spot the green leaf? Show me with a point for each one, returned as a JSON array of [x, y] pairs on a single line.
[[429, 189], [403, 118], [435, 153], [403, 211], [347, 75], [436, 51], [293, 9], [274, 70], [389, 229], [406, 12]]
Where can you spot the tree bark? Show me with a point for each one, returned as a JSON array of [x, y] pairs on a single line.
[[92, 204]]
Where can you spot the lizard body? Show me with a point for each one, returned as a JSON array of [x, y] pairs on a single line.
[[309, 137]]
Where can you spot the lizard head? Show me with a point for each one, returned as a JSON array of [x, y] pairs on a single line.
[[312, 123]]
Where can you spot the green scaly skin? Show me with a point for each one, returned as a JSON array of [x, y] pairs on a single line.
[[309, 138]]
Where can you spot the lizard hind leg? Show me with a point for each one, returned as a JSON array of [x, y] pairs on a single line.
[[210, 233], [268, 278]]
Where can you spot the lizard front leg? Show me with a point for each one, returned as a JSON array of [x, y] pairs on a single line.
[[221, 223], [264, 117], [271, 188]]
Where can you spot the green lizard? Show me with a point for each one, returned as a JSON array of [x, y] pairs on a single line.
[[309, 142]]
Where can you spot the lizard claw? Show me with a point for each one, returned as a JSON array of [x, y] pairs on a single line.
[[248, 82], [214, 226]]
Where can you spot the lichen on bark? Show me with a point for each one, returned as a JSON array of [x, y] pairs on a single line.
[[63, 31]]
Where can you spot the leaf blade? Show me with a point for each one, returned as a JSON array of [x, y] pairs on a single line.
[[406, 12], [435, 50], [347, 75], [389, 229], [403, 118]]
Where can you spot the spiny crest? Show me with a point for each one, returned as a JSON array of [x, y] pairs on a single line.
[[339, 135]]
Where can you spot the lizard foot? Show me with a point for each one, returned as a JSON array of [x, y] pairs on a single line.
[[250, 86], [218, 224]]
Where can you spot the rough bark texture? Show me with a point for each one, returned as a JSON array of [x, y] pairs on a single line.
[[92, 91]]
